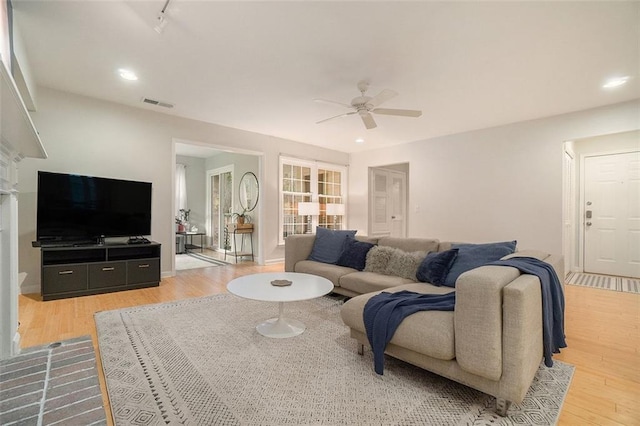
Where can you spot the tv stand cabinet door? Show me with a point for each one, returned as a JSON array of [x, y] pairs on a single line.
[[63, 279], [107, 274], [142, 271]]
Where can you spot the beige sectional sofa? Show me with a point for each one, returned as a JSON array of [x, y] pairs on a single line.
[[492, 341]]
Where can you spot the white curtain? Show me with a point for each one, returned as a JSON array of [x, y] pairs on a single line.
[[181, 188]]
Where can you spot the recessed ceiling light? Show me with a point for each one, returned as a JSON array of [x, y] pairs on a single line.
[[359, 140], [615, 82], [127, 75]]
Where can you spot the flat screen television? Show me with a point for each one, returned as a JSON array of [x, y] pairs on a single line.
[[75, 208]]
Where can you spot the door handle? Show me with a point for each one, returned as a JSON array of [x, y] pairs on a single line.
[[588, 224]]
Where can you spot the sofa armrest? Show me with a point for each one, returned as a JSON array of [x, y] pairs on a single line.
[[522, 339], [296, 248], [478, 319]]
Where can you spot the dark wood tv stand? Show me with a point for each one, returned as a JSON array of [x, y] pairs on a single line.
[[100, 268]]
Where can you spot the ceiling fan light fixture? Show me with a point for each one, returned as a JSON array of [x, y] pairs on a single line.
[[364, 106]]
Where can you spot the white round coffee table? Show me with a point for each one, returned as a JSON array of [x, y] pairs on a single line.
[[258, 287]]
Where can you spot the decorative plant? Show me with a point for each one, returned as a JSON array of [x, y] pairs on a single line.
[[183, 217], [241, 217]]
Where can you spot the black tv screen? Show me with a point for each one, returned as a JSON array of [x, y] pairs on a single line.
[[78, 208]]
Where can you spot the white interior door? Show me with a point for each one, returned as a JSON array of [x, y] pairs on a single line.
[[397, 197], [387, 203], [612, 214]]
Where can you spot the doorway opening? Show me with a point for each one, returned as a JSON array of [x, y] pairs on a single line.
[[219, 205], [604, 208], [212, 202]]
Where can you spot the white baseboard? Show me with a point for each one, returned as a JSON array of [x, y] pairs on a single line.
[[274, 261], [16, 344], [30, 288]]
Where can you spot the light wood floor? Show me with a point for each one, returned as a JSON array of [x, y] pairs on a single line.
[[602, 328]]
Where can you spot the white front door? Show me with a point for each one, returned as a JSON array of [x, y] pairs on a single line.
[[612, 214], [387, 203]]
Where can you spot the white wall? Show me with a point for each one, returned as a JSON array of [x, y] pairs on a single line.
[[493, 184], [87, 136], [618, 142]]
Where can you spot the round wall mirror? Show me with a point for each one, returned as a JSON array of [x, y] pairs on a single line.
[[249, 191]]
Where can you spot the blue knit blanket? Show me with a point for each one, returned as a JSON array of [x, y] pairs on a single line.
[[553, 337], [384, 312]]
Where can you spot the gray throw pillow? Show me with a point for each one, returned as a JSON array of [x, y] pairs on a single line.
[[377, 259], [404, 264]]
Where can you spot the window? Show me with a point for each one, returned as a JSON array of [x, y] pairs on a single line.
[[308, 181]]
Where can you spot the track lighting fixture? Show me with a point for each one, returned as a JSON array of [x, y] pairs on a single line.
[[161, 19]]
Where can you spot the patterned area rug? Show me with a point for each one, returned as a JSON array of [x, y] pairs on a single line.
[[606, 282], [201, 361], [196, 261]]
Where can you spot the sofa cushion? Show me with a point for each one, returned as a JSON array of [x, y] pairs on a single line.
[[471, 256], [365, 282], [403, 264], [354, 254], [435, 267], [377, 259], [328, 271], [428, 332], [329, 244], [410, 244]]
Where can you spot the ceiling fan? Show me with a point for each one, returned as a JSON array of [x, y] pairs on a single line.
[[365, 105]]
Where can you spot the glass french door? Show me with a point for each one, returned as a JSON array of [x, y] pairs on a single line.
[[220, 207]]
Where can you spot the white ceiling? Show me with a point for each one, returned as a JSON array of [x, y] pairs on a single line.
[[258, 66]]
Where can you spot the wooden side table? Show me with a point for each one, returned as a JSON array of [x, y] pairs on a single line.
[[243, 231]]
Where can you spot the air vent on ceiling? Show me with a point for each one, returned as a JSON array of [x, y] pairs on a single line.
[[158, 103]]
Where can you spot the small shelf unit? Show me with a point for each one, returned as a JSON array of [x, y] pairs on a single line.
[[92, 269]]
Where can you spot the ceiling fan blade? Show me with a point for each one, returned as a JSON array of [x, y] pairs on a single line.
[[401, 112], [336, 116], [381, 97], [368, 121], [325, 101]]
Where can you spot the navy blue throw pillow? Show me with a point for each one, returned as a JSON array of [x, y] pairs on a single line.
[[435, 267], [355, 254], [471, 256], [329, 244]]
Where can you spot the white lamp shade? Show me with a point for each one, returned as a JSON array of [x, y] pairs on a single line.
[[335, 209], [308, 208]]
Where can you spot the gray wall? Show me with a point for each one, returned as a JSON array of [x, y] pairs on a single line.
[[88, 136], [494, 184], [491, 184]]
